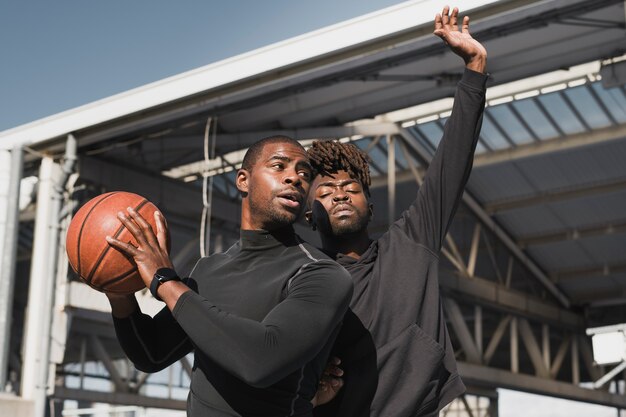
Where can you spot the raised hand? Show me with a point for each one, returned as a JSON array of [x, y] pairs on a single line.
[[151, 252], [460, 41]]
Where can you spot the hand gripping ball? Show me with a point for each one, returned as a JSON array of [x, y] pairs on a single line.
[[100, 265]]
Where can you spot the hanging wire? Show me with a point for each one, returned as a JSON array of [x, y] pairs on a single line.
[[207, 186]]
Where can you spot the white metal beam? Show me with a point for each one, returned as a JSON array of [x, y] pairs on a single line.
[[560, 356], [460, 327], [498, 296], [176, 194], [240, 141], [491, 377], [496, 337], [605, 270], [120, 398], [551, 145], [532, 348], [103, 356], [573, 234], [552, 196]]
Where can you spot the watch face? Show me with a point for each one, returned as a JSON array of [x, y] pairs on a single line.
[[166, 274]]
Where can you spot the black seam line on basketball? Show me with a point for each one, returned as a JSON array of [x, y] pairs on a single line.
[[80, 231], [118, 278], [106, 250]]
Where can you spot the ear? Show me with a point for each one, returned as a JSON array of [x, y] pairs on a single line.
[[308, 216], [242, 181], [371, 211]]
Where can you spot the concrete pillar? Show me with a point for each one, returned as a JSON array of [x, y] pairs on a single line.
[[10, 177], [41, 289]]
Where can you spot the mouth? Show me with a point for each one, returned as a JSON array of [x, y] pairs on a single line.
[[342, 210], [290, 199]]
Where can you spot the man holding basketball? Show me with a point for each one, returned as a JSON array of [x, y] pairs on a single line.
[[394, 345], [260, 318]]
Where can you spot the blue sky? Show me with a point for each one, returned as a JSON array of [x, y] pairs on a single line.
[[59, 54]]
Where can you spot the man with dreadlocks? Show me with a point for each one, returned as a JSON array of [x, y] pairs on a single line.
[[394, 345]]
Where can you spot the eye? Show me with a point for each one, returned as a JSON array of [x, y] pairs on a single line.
[[305, 174], [278, 165], [324, 192]]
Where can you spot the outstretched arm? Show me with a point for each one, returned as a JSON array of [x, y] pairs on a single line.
[[428, 218]]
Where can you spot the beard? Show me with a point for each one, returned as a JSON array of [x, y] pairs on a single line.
[[349, 226], [272, 214], [338, 227]]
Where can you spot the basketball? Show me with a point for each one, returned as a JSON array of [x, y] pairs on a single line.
[[98, 264]]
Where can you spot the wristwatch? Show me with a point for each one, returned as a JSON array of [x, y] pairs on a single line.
[[160, 276]]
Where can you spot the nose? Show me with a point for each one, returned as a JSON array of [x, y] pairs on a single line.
[[340, 195], [292, 178]]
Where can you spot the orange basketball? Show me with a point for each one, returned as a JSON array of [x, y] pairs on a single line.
[[100, 265]]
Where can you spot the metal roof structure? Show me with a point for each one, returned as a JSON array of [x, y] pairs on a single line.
[[537, 248]]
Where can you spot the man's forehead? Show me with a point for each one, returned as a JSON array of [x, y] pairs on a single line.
[[338, 178], [284, 150]]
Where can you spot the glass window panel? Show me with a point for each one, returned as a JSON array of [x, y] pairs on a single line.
[[588, 107], [400, 160], [379, 157], [374, 168], [232, 176], [510, 123], [561, 113], [480, 148], [362, 144], [423, 139], [534, 117], [219, 182], [432, 131], [613, 99], [492, 136]]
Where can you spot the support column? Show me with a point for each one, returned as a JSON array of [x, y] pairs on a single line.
[[514, 347], [575, 362], [10, 176], [493, 407], [478, 328], [391, 180], [545, 337], [40, 293]]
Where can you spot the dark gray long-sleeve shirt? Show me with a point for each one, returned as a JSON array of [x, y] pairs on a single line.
[[261, 323], [394, 345]]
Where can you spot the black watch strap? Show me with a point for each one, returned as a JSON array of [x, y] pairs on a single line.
[[160, 276]]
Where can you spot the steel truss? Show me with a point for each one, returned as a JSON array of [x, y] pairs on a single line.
[[512, 327], [93, 353], [494, 297]]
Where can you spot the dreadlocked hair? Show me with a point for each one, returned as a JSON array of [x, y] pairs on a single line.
[[329, 156]]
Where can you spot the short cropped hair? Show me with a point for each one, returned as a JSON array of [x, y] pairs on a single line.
[[254, 152]]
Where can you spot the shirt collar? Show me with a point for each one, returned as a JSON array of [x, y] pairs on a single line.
[[264, 239]]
